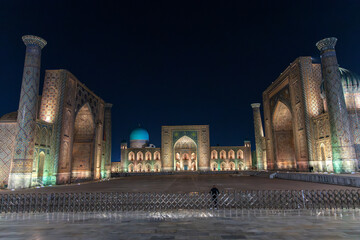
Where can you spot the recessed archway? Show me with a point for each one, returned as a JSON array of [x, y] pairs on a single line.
[[283, 137], [83, 148], [186, 148], [41, 165]]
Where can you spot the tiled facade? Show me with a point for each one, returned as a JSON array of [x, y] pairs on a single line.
[[20, 175], [259, 137], [304, 129], [184, 148], [59, 139], [7, 142]]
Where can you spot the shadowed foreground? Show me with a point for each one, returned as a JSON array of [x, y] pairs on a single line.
[[243, 224]]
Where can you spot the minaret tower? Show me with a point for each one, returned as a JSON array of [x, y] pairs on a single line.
[[259, 135], [21, 169], [343, 152]]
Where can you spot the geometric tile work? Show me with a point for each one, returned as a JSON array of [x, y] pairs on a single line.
[[355, 127], [24, 143], [49, 100], [316, 104], [83, 96], [259, 134], [282, 118], [7, 142], [311, 76], [344, 157], [59, 78]]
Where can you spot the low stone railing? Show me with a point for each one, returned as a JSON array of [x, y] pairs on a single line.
[[126, 174], [114, 201], [344, 180]]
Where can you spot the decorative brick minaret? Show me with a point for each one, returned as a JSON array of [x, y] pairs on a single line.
[[343, 152], [107, 125], [21, 169], [259, 135]]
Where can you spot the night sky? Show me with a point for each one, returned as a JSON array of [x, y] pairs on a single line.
[[174, 62]]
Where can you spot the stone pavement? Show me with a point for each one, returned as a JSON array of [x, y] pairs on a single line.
[[218, 224], [185, 183]]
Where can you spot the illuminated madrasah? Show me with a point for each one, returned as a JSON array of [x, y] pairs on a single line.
[[183, 148], [59, 137], [311, 116]]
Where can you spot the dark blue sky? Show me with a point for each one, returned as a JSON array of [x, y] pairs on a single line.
[[174, 62]]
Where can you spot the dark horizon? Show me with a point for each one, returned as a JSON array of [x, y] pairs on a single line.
[[175, 63]]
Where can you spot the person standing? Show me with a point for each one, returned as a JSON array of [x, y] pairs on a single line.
[[214, 194]]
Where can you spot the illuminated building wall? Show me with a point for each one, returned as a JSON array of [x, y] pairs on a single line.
[[259, 137], [298, 126], [343, 152], [230, 158], [286, 124], [184, 148], [50, 99], [7, 143], [198, 134], [66, 140], [21, 167], [106, 162]]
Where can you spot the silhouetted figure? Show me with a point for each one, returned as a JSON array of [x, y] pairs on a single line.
[[214, 193]]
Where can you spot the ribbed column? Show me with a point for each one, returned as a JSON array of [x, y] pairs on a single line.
[[20, 176], [259, 134], [344, 158]]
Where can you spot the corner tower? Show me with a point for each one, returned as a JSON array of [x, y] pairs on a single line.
[[343, 152], [259, 136], [20, 176]]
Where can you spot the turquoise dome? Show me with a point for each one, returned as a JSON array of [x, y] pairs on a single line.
[[349, 80], [139, 134]]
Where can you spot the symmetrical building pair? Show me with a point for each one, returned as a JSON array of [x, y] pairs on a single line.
[[310, 115]]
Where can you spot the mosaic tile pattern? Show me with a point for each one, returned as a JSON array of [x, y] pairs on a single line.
[[312, 104], [7, 142], [60, 77], [259, 134], [24, 141], [50, 98], [344, 157], [84, 96]]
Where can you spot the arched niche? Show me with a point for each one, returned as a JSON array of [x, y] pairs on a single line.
[[83, 147], [283, 137], [187, 149]]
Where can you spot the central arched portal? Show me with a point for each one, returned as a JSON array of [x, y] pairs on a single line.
[[284, 137], [83, 148], [185, 154]]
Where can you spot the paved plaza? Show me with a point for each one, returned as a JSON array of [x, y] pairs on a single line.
[[249, 224], [184, 183]]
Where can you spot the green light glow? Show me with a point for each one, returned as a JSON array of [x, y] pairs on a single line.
[[337, 165]]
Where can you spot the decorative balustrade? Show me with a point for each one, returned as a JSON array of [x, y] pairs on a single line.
[[115, 201]]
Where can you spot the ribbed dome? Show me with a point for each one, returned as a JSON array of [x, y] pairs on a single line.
[[349, 80], [139, 134], [9, 117]]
